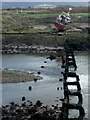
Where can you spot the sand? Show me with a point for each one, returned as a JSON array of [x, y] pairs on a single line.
[[12, 76]]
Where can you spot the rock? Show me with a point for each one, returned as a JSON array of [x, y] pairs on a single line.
[[38, 103], [57, 88], [63, 66], [24, 104], [39, 73], [61, 88], [28, 100], [61, 99], [35, 80], [30, 88], [12, 103], [19, 111], [39, 116], [51, 57], [42, 66], [55, 107], [52, 105], [60, 79], [31, 104], [23, 98], [32, 110], [5, 118], [56, 100], [61, 72], [26, 112]]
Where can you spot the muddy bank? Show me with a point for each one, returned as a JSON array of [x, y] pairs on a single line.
[[24, 48], [12, 76]]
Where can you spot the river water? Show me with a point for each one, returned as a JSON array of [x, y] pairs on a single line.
[[45, 89]]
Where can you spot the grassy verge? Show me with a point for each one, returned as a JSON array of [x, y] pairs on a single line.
[[13, 22]]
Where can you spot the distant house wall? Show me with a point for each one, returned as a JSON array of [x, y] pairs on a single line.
[[45, 6]]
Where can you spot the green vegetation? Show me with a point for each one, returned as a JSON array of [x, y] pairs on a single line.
[[38, 23], [15, 21]]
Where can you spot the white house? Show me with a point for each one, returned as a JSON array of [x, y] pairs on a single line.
[[45, 6]]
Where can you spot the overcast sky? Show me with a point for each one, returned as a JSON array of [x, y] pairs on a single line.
[[44, 0]]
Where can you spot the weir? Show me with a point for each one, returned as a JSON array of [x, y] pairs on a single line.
[[70, 74], [68, 61]]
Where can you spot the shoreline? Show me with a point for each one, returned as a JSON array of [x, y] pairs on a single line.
[[23, 49], [13, 76], [35, 49]]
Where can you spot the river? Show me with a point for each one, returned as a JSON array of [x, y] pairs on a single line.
[[45, 89]]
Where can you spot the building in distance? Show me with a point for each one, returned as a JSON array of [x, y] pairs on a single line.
[[45, 6]]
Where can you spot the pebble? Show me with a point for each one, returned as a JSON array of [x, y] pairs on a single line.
[[39, 73], [38, 103], [57, 88], [60, 79], [45, 61], [30, 88], [23, 98], [42, 66], [35, 80]]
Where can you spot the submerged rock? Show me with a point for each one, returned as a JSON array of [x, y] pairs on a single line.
[[42, 66], [35, 80], [51, 57], [30, 88], [39, 73], [38, 103], [57, 88], [23, 98], [60, 79]]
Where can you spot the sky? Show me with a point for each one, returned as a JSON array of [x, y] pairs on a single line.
[[44, 0]]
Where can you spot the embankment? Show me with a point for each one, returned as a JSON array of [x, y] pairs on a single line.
[[43, 42]]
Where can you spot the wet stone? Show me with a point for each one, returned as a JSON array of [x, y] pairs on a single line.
[[55, 107], [23, 98], [51, 57], [38, 73], [32, 110], [12, 103], [52, 105], [57, 88], [60, 79], [42, 66], [45, 61], [35, 80], [19, 110], [30, 88], [38, 103], [24, 104]]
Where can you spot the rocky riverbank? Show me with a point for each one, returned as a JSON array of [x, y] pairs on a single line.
[[23, 48], [12, 76], [28, 111], [43, 43]]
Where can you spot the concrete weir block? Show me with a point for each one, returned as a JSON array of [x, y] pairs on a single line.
[[73, 83]]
